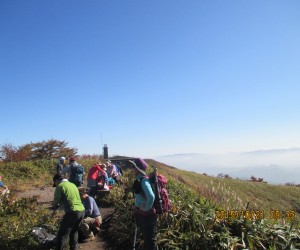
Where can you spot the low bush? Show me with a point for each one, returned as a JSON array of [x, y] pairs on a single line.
[[17, 218]]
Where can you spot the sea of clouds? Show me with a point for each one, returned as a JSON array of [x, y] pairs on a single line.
[[276, 166]]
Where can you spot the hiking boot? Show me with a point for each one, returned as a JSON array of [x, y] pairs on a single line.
[[88, 239], [91, 238]]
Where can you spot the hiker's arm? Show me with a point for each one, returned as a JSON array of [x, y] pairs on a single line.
[[57, 198], [88, 208], [3, 186], [150, 197]]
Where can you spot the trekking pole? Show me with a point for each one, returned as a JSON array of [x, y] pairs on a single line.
[[157, 188], [134, 237]]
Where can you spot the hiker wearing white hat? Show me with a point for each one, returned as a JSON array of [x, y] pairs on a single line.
[[60, 165]]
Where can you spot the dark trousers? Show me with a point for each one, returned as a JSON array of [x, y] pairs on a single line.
[[68, 230], [147, 225]]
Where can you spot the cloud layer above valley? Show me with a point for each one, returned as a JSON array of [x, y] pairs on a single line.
[[276, 165]]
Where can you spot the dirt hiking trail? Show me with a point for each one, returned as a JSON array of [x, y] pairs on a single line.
[[45, 197]]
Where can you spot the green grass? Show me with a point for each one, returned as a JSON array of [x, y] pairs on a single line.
[[236, 194], [225, 193], [192, 222]]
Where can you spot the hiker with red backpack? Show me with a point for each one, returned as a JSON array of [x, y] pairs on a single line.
[[144, 213]]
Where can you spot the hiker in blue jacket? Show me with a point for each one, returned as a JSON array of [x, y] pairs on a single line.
[[92, 217], [144, 213]]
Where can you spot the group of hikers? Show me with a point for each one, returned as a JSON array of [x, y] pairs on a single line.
[[81, 211], [100, 176]]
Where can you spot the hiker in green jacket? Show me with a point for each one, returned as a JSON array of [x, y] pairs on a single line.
[[67, 194]]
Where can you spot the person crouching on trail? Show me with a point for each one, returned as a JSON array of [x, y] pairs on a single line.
[[66, 193], [94, 172], [144, 213], [90, 225]]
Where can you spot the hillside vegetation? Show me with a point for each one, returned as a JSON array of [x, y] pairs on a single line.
[[193, 222], [236, 194]]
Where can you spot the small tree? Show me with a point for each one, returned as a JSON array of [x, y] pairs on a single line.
[[38, 150], [51, 149], [8, 152]]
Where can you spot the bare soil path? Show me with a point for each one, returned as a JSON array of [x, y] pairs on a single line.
[[45, 197]]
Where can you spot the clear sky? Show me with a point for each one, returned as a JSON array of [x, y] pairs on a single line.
[[151, 78]]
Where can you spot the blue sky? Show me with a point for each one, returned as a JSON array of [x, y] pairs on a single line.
[[151, 78]]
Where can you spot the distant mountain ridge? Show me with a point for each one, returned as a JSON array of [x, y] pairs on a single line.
[[273, 151], [277, 166]]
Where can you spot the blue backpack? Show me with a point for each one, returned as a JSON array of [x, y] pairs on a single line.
[[77, 173]]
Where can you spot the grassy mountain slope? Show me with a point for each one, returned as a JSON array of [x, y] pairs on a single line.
[[191, 223], [236, 194]]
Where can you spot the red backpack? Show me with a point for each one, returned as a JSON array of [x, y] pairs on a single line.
[[158, 183], [162, 202]]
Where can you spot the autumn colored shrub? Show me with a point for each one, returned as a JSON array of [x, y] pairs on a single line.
[[49, 149]]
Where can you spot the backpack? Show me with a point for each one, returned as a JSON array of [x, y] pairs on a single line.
[[76, 173], [118, 169], [158, 183], [43, 237]]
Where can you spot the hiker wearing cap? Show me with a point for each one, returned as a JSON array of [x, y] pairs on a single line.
[[67, 195], [90, 225], [60, 165], [75, 172], [5, 188], [144, 213]]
